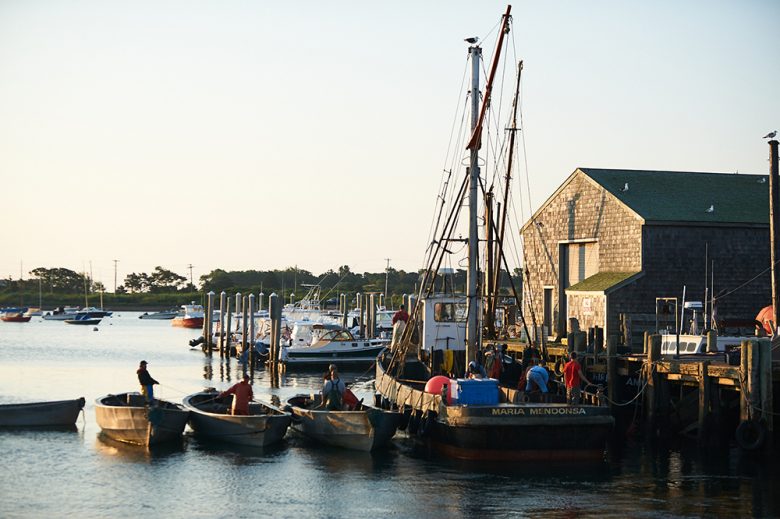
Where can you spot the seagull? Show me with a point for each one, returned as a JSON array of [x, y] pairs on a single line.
[[710, 209], [770, 135], [472, 40], [625, 187]]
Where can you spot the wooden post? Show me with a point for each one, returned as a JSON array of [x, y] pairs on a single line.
[[251, 332], [612, 390], [228, 328], [344, 311], [653, 386], [222, 301], [765, 375], [744, 374], [361, 319], [646, 342], [244, 341], [372, 316], [209, 322], [712, 341], [598, 344], [704, 401]]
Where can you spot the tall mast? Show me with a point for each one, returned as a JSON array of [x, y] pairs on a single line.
[[472, 325]]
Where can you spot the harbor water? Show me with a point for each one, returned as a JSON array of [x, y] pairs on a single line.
[[62, 473]]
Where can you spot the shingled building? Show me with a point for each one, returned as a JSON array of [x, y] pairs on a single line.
[[608, 242]]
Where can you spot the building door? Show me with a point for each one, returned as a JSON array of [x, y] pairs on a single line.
[[548, 310]]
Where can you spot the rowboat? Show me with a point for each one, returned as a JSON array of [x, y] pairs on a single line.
[[210, 417], [126, 417], [41, 414], [365, 429]]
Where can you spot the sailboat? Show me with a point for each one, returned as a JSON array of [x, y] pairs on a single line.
[[476, 419]]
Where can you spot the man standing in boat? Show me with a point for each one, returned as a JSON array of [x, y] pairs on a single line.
[[242, 395], [572, 374], [333, 390], [146, 381]]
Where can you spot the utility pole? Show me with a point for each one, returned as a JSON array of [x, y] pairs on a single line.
[[115, 262], [387, 273], [192, 285]]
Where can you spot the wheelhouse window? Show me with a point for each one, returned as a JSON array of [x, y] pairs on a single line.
[[450, 312]]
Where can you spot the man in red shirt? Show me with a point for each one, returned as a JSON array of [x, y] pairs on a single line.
[[242, 394], [572, 375], [401, 315]]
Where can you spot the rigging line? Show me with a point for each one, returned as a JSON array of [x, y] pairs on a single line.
[[746, 282]]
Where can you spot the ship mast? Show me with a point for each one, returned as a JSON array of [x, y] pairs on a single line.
[[475, 142]]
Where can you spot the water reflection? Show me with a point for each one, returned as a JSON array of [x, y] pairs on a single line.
[[238, 454], [137, 453]]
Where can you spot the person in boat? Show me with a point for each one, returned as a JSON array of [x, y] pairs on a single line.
[[242, 395], [333, 390], [572, 375], [146, 381], [401, 315], [493, 362], [476, 370], [536, 378]]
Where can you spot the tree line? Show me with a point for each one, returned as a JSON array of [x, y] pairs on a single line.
[[284, 282]]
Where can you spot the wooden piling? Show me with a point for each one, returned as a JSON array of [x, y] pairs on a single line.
[[765, 375], [209, 323], [222, 303], [612, 390], [372, 316], [228, 328], [653, 388], [704, 401], [344, 304], [244, 330], [251, 332], [712, 341], [361, 318]]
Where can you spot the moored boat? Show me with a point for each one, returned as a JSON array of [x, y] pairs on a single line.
[[333, 345], [162, 315], [126, 417], [83, 319], [210, 417], [17, 317], [366, 428], [41, 414], [190, 316]]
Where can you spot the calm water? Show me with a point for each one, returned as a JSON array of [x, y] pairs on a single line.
[[64, 473]]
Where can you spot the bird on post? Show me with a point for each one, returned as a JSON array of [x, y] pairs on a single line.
[[472, 40], [770, 135]]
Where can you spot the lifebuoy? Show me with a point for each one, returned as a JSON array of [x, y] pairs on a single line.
[[750, 435]]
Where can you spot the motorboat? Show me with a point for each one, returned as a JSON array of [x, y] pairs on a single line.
[[210, 417], [57, 413], [61, 313], [17, 317], [162, 315], [83, 318], [366, 428], [190, 316], [127, 417], [333, 345]]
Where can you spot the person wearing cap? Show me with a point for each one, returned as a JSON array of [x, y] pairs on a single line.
[[333, 390], [401, 315], [242, 395], [572, 375], [476, 370], [146, 381]]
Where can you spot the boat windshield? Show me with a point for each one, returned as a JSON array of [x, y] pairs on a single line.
[[337, 335]]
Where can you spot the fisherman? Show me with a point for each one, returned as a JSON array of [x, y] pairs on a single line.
[[401, 315], [146, 381], [536, 376], [333, 390], [476, 370], [572, 375], [242, 395]]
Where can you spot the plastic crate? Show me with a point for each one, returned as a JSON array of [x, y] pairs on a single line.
[[478, 391]]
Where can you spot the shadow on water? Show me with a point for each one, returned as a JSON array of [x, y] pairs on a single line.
[[137, 453], [28, 431], [336, 460], [238, 454]]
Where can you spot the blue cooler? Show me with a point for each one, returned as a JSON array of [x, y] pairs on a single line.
[[476, 391]]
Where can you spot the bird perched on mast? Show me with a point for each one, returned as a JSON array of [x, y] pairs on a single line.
[[770, 135], [472, 40]]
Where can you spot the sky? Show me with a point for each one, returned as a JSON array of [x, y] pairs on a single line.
[[265, 135]]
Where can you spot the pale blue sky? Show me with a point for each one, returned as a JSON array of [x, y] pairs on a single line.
[[259, 135]]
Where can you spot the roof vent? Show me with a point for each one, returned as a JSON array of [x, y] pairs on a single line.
[[710, 209]]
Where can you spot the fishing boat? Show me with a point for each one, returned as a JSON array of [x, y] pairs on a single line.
[[190, 316], [162, 315], [61, 313], [210, 417], [477, 419], [41, 414], [126, 417], [18, 317], [83, 318], [366, 428]]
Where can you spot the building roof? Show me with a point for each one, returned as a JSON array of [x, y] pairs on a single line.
[[680, 196], [603, 282]]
